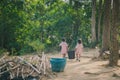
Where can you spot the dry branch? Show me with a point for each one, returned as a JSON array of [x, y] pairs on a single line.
[[25, 66], [30, 65], [9, 69]]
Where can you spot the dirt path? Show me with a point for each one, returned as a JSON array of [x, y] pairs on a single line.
[[87, 69]]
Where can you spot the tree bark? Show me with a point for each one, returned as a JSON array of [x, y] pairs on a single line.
[[70, 2], [93, 30], [114, 56], [77, 23], [99, 19], [106, 27]]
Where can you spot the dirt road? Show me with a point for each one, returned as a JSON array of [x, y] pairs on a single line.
[[87, 69]]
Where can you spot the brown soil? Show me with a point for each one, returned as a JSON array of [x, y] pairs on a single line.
[[88, 68]]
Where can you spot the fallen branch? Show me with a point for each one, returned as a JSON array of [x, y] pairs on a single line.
[[9, 69], [30, 65], [25, 66]]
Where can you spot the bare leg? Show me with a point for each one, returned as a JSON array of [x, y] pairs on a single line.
[[79, 57], [64, 55], [76, 56]]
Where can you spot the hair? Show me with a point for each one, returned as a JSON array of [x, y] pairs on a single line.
[[63, 39], [79, 41]]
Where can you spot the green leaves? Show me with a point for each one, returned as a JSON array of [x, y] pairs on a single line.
[[40, 24], [37, 45]]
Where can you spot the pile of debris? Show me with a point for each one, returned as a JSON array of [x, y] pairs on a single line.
[[30, 67]]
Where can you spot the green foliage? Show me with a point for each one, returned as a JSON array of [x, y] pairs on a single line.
[[37, 45], [37, 25], [2, 51]]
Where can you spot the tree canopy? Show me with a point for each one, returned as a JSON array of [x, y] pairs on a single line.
[[25, 24]]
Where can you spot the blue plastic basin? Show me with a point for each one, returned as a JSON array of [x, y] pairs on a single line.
[[58, 64]]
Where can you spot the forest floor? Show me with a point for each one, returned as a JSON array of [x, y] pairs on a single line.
[[88, 68]]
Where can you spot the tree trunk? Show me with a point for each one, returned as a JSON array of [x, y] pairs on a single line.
[[99, 19], [113, 61], [70, 2], [77, 23], [106, 27], [93, 31]]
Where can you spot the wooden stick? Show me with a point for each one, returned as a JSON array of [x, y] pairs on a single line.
[[31, 72], [18, 71], [9, 69], [44, 65], [3, 66], [22, 72], [30, 65], [2, 59], [11, 76]]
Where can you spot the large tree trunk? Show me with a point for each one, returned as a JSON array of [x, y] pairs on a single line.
[[93, 30], [113, 61], [106, 27], [99, 19]]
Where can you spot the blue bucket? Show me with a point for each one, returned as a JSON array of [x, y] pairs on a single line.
[[58, 64]]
